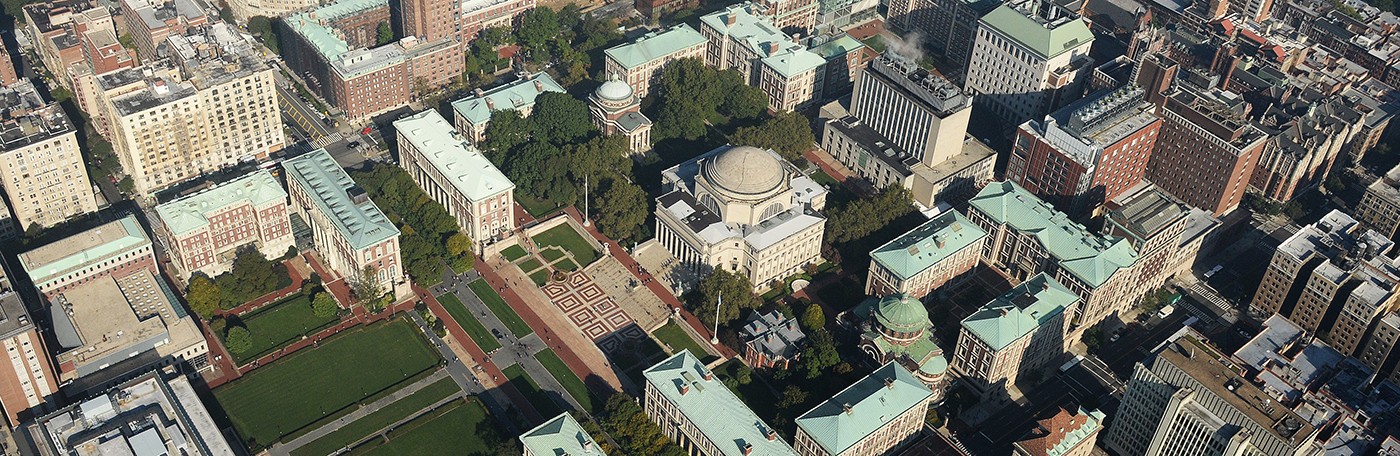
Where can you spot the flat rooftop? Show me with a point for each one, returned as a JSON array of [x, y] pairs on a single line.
[[1147, 212], [111, 315], [1193, 357], [25, 118], [84, 249], [452, 156], [147, 416], [934, 92], [1106, 118]]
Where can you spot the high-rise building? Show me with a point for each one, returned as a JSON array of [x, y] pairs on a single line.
[[703, 416], [741, 37], [150, 22], [430, 20], [41, 166], [919, 111], [202, 112], [1087, 153], [351, 234], [111, 313], [1288, 361], [203, 231], [874, 416], [1026, 236], [1019, 333], [799, 15], [472, 114], [1207, 149], [897, 329], [1379, 208], [148, 415], [639, 63], [1187, 398], [871, 156], [932, 254], [947, 27], [617, 110], [455, 174], [1065, 434], [839, 15], [27, 382], [742, 209], [561, 435], [56, 29], [1167, 234], [1029, 58]]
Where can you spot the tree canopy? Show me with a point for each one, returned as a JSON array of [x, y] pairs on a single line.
[[736, 290], [625, 421], [238, 340], [323, 305], [425, 225], [788, 133], [384, 34], [203, 296], [559, 119], [690, 94], [860, 217]]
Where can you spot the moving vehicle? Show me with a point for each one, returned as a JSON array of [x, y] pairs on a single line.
[[1071, 363]]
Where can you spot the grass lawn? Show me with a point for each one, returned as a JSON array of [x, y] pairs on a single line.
[[566, 377], [825, 179], [540, 277], [513, 253], [537, 207], [452, 429], [499, 307], [532, 392], [279, 324], [552, 254], [565, 236], [530, 265], [474, 328], [675, 336], [309, 385], [372, 423], [566, 265]]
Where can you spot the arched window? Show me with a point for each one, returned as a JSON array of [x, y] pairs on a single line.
[[772, 210], [710, 203]]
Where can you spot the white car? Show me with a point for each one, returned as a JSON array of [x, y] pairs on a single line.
[[1214, 270]]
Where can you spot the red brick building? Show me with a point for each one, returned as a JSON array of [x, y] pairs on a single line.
[[202, 231], [1207, 149]]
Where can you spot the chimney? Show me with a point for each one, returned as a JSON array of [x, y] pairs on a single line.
[[490, 104], [772, 435], [478, 92], [729, 19], [709, 376], [939, 241], [539, 87], [847, 408], [685, 389], [748, 449], [889, 383]]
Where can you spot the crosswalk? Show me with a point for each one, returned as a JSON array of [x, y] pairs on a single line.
[[326, 140]]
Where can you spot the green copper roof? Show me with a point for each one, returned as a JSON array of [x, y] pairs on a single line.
[[1088, 257], [83, 249], [794, 61], [310, 25], [757, 33], [186, 214], [1035, 35], [902, 313], [469, 171], [654, 46], [362, 224], [560, 436], [1019, 311], [926, 245], [519, 95], [842, 45], [714, 410], [872, 401]]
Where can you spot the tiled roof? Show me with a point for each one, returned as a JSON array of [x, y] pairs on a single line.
[[863, 408], [655, 45], [1089, 257], [1061, 433], [714, 410], [187, 213], [468, 170], [362, 224], [517, 95]]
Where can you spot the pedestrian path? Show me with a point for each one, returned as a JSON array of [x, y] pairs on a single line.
[[285, 449]]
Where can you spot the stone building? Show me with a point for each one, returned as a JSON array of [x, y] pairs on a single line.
[[617, 110], [41, 167], [874, 416], [639, 63], [472, 114], [203, 231], [896, 328], [920, 261], [1018, 334], [455, 174]]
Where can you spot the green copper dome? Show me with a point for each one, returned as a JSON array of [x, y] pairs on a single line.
[[902, 313]]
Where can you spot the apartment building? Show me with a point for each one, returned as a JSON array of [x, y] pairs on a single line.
[[1207, 149], [1029, 59], [741, 37], [1026, 236], [1187, 399], [471, 114], [429, 20], [742, 209], [1307, 132], [8, 74], [150, 22], [112, 314], [56, 29], [27, 382], [195, 113], [245, 9], [1017, 334], [1087, 153], [455, 174], [349, 232], [897, 329], [799, 15], [559, 436], [147, 415], [925, 258], [1379, 208], [1167, 234], [1065, 434], [41, 166], [204, 231], [874, 416], [639, 63], [695, 410]]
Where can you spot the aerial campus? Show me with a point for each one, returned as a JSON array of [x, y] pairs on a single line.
[[699, 227]]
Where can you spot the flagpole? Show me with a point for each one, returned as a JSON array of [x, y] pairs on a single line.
[[714, 336]]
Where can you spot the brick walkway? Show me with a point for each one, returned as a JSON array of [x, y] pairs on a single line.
[[497, 377], [594, 312], [337, 287], [837, 171]]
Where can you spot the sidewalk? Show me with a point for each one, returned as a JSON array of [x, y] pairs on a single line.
[[280, 449], [497, 378]]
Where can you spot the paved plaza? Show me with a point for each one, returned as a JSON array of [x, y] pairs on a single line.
[[593, 311], [638, 301]]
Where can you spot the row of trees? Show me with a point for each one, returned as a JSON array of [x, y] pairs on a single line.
[[860, 217], [629, 426], [252, 276], [430, 237], [545, 35], [551, 154]]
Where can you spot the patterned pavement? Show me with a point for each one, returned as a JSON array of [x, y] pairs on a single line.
[[593, 311]]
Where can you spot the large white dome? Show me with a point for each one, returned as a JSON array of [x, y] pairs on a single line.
[[745, 170], [615, 90]]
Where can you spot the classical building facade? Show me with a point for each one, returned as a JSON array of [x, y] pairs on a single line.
[[202, 231], [455, 174], [874, 416], [1020, 332], [617, 110], [472, 114], [744, 210], [1029, 59], [639, 63], [695, 410], [41, 166], [743, 38], [896, 328], [920, 261], [352, 235]]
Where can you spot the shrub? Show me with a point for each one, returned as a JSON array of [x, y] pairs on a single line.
[[239, 340]]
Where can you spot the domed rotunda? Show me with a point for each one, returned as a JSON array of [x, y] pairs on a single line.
[[897, 328], [616, 109], [743, 209]]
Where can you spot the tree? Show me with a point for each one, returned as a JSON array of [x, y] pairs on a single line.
[[789, 134], [506, 131], [621, 209], [736, 290], [537, 27], [821, 356], [814, 318], [127, 41], [262, 27], [537, 170], [203, 296], [744, 374], [745, 102], [323, 305], [366, 287], [238, 340], [493, 36], [792, 397], [384, 34], [560, 119], [459, 244], [634, 432], [858, 218]]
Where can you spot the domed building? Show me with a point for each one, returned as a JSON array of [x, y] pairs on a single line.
[[897, 328], [616, 109], [742, 209]]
